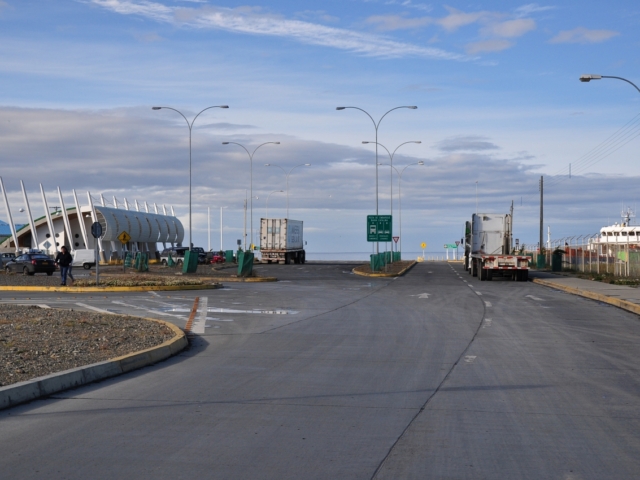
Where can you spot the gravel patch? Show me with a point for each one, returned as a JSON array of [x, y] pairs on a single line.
[[36, 341]]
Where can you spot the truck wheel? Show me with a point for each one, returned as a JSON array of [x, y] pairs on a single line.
[[287, 259], [303, 257], [489, 275], [474, 268], [164, 262], [483, 274], [86, 266]]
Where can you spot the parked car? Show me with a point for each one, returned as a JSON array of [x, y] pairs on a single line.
[[31, 263], [217, 257], [84, 258], [177, 254], [6, 257], [202, 255]]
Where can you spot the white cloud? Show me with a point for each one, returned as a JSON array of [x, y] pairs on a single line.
[[457, 19], [583, 35], [252, 21], [495, 45], [397, 22], [510, 28], [526, 10], [474, 143]]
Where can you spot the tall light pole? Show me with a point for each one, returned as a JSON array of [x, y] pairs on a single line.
[[400, 194], [376, 125], [190, 125], [266, 212], [287, 175], [391, 163], [251, 174], [221, 229]]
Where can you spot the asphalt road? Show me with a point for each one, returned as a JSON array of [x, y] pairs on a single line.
[[330, 375]]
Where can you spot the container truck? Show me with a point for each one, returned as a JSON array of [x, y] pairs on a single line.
[[490, 251], [281, 241]]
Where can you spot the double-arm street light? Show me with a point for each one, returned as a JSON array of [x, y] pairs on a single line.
[[376, 125], [590, 76], [190, 125], [251, 173], [400, 194], [287, 174], [266, 207], [391, 155]]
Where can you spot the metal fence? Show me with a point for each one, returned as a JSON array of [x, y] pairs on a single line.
[[590, 253]]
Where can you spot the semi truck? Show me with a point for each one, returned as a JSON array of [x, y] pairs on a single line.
[[489, 251], [281, 241]]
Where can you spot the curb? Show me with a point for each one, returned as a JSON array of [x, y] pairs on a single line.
[[616, 302], [245, 279], [400, 273], [29, 390], [110, 289]]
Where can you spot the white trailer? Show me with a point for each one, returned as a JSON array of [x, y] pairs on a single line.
[[281, 241], [491, 251]]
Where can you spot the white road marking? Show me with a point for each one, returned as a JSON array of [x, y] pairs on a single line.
[[157, 312], [200, 324], [469, 358], [42, 305], [478, 293], [534, 298], [487, 322], [488, 304], [154, 294], [96, 309], [421, 295]]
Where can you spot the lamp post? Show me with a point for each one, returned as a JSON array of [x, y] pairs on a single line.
[[251, 174], [190, 125], [287, 175], [591, 76], [391, 163], [376, 125], [221, 229], [266, 213], [400, 194]]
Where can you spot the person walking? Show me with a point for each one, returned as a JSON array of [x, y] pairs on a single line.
[[64, 261]]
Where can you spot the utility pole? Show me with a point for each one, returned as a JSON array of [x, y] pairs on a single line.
[[541, 258]]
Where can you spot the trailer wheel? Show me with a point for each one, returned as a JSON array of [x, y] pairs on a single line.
[[287, 259], [474, 268], [489, 275], [483, 274], [303, 257]]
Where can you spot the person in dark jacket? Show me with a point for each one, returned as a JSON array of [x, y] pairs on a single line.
[[64, 260]]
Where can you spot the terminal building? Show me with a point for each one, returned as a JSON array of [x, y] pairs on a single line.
[[72, 227]]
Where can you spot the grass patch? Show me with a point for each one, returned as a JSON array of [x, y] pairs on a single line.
[[140, 281]]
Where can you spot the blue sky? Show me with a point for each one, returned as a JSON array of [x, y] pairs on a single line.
[[496, 85]]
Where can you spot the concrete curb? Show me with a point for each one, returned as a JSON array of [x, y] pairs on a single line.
[[109, 289], [245, 279], [400, 273], [616, 302], [29, 390]]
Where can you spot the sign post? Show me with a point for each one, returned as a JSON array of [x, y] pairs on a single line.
[[96, 231], [124, 238], [423, 245]]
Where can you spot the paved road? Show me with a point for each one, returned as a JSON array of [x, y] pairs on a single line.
[[330, 375]]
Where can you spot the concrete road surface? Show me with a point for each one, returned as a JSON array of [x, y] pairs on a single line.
[[329, 375]]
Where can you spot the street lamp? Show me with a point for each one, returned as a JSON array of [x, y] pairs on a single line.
[[391, 163], [400, 194], [376, 125], [591, 76], [190, 125], [266, 213], [287, 174], [250, 173]]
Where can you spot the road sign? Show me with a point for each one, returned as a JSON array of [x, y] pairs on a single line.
[[96, 229], [450, 245], [124, 237], [46, 244], [423, 245], [379, 228], [457, 243], [395, 239]]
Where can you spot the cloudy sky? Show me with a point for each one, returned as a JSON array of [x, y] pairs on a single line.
[[495, 83]]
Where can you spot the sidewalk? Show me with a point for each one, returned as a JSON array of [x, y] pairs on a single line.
[[622, 296]]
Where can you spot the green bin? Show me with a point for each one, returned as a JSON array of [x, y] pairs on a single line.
[[375, 262], [228, 256], [541, 261], [245, 264], [190, 264], [556, 260]]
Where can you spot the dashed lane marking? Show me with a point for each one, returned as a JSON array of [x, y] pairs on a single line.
[[478, 293], [470, 358], [95, 309], [488, 304]]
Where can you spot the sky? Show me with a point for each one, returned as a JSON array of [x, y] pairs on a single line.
[[495, 82]]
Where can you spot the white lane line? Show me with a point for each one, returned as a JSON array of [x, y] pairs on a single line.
[[200, 324], [43, 305], [478, 293], [469, 358], [156, 294], [95, 309], [534, 298], [487, 322], [488, 304], [157, 312]]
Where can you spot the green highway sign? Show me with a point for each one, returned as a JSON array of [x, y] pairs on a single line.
[[379, 228], [450, 245]]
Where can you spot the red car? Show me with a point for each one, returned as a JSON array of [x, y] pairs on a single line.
[[217, 258]]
